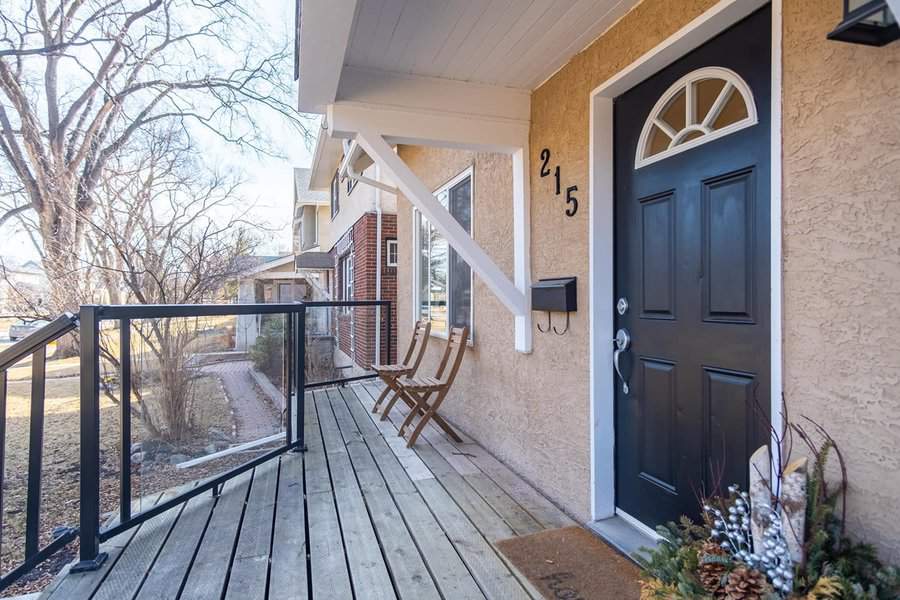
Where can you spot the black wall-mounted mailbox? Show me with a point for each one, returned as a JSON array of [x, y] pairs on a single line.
[[556, 295]]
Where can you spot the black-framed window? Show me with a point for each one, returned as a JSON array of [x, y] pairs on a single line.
[[347, 278], [444, 280], [392, 253], [335, 195]]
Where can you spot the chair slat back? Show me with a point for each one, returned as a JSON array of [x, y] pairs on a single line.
[[420, 335], [456, 348], [423, 334]]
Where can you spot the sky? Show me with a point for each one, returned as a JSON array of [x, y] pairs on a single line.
[[270, 180], [268, 186]]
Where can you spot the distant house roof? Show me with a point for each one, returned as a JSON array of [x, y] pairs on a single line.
[[254, 264], [315, 260], [302, 194]]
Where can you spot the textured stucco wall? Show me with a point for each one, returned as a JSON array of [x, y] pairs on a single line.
[[841, 235], [841, 262], [533, 410]]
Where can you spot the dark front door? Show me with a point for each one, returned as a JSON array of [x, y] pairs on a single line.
[[692, 262]]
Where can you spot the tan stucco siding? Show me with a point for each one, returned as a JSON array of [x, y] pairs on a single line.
[[533, 411], [841, 270], [516, 405], [841, 235]]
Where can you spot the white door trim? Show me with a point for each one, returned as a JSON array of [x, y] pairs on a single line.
[[601, 253]]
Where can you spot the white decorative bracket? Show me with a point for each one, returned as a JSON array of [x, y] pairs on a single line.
[[515, 296]]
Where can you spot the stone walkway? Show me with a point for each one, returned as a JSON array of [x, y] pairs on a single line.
[[256, 417]]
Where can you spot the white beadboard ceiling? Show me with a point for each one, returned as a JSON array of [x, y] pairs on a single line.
[[508, 43]]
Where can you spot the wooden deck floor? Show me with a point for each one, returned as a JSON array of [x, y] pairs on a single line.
[[357, 516]]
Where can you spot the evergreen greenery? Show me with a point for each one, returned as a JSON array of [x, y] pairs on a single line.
[[836, 568]]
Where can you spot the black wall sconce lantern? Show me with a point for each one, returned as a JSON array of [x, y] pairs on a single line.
[[868, 22], [554, 295]]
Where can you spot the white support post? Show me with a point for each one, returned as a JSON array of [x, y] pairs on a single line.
[[417, 193], [522, 244]]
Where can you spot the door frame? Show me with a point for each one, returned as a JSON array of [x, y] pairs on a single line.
[[712, 22]]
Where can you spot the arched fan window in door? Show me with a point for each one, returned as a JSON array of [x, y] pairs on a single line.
[[702, 106]]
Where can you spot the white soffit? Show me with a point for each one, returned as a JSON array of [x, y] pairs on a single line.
[[325, 161], [506, 43], [324, 32], [357, 50]]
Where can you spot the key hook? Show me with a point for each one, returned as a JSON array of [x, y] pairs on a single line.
[[563, 332], [541, 329]]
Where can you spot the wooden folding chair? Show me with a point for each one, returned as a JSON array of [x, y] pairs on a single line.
[[416, 391], [408, 366]]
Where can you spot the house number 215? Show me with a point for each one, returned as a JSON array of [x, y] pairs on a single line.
[[571, 200]]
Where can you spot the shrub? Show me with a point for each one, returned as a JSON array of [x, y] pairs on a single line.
[[267, 352]]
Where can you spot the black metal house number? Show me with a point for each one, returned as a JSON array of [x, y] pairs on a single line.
[[571, 200]]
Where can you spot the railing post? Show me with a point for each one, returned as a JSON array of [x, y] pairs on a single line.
[[288, 383], [35, 451], [390, 358], [2, 443], [300, 377], [89, 529], [125, 417]]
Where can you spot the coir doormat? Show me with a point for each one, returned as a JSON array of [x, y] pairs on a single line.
[[573, 564]]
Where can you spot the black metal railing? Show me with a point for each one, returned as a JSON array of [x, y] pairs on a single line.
[[94, 321], [34, 345]]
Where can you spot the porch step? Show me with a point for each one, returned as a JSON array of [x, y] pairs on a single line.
[[623, 535]]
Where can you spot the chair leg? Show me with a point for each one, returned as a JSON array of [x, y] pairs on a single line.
[[431, 413], [423, 421], [447, 429], [390, 404], [419, 405], [387, 388]]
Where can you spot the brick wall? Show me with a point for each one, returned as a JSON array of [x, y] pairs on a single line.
[[362, 320]]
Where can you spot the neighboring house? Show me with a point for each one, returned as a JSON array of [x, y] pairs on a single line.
[[22, 283], [267, 279], [721, 179], [353, 223]]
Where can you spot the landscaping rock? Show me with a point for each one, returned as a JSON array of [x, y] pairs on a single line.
[[157, 449], [215, 434], [178, 458]]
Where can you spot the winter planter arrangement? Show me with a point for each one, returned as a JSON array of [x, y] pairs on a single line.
[[783, 539]]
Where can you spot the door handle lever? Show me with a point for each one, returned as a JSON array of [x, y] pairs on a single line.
[[623, 342]]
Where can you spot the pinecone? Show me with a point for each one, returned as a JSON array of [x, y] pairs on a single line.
[[712, 572], [745, 583]]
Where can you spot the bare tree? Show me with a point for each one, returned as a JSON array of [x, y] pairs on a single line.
[[166, 232], [81, 80]]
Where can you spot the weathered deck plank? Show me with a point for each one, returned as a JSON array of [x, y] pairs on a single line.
[[165, 578], [288, 578], [357, 515], [328, 570], [449, 572], [250, 566], [82, 585], [408, 570], [206, 579], [467, 520], [367, 565]]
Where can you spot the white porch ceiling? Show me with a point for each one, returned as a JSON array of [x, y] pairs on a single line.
[[508, 43], [360, 50]]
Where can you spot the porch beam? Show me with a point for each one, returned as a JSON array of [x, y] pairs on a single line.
[[424, 127], [515, 299]]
